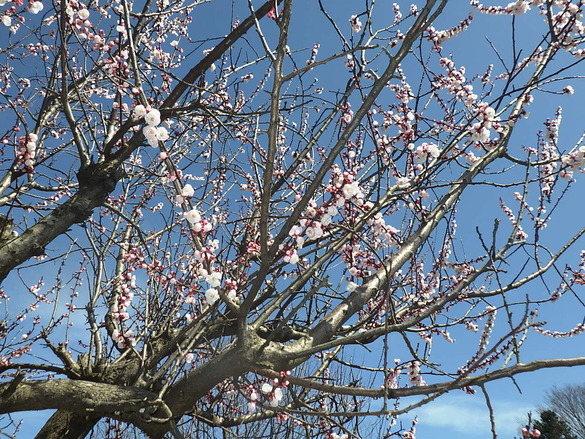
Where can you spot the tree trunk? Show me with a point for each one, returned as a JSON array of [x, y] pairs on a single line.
[[67, 425]]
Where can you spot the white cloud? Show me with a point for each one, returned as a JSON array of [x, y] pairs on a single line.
[[466, 414]]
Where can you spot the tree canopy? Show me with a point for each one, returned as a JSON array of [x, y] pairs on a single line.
[[282, 219], [551, 426], [568, 402]]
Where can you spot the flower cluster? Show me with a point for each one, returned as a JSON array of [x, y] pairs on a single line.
[[384, 233], [572, 162], [124, 340], [526, 433], [488, 328], [78, 16], [314, 229], [291, 256], [454, 82], [27, 151], [410, 434], [393, 376], [567, 25], [343, 187], [314, 52], [272, 391], [152, 131], [517, 7], [186, 192], [214, 281], [520, 234], [119, 308], [198, 224], [414, 376], [439, 37], [480, 131], [426, 151], [578, 329], [551, 133], [356, 24]]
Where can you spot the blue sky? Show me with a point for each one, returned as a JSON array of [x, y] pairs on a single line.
[[457, 414]]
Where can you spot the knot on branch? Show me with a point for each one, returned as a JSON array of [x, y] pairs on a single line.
[[96, 182], [101, 176]]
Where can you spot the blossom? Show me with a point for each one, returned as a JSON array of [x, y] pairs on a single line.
[[232, 295], [187, 191], [426, 151], [162, 134], [292, 257], [6, 20], [352, 190], [212, 296], [83, 14], [518, 7], [272, 14], [152, 118], [356, 24], [314, 232], [266, 388], [214, 278], [139, 112], [150, 132], [479, 133], [403, 182], [568, 90], [192, 216], [278, 394], [36, 7]]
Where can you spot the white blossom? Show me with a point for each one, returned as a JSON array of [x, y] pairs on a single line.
[[187, 191], [352, 190], [212, 296], [152, 118], [314, 232], [149, 132], [356, 24], [162, 134], [193, 216], [83, 14], [36, 7], [214, 278]]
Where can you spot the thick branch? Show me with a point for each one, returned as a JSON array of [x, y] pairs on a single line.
[[507, 372], [82, 397], [96, 183]]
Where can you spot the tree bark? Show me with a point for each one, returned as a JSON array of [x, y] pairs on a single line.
[[96, 182], [67, 425]]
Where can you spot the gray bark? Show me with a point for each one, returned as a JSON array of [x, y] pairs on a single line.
[[67, 425]]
